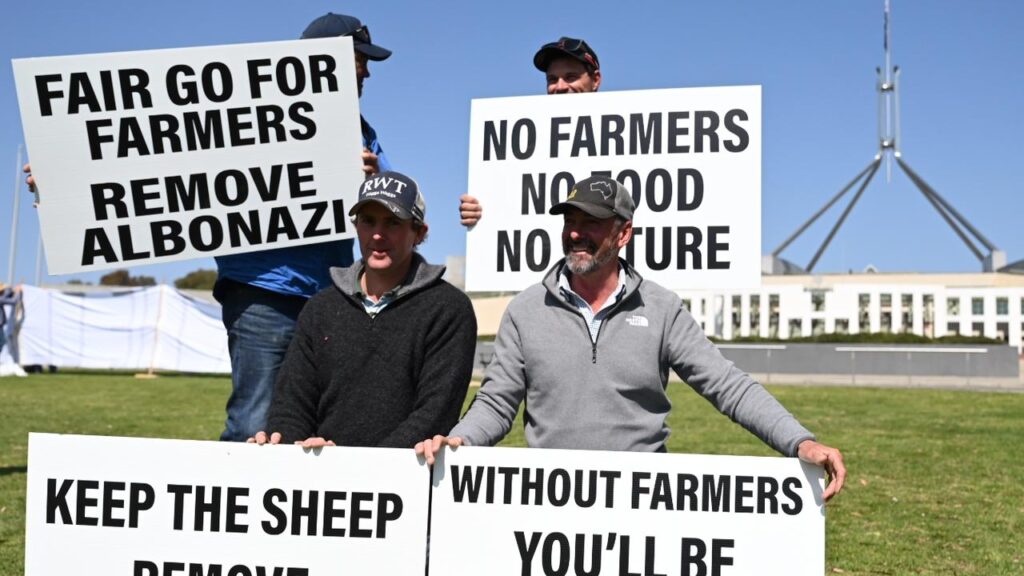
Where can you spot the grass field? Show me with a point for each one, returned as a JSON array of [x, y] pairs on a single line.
[[936, 481]]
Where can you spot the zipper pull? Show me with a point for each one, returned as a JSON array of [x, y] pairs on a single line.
[[593, 350]]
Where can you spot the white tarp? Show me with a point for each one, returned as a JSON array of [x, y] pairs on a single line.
[[155, 328]]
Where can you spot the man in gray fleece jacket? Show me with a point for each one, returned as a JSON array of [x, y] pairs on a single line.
[[589, 350]]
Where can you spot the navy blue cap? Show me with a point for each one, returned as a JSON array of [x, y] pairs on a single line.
[[330, 25], [600, 196], [565, 46], [397, 192]]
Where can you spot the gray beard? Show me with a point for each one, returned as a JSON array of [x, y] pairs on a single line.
[[581, 265]]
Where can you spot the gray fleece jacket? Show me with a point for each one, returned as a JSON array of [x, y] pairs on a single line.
[[610, 394]]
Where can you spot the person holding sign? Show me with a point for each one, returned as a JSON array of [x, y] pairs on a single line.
[[263, 292], [384, 356], [589, 349], [570, 66]]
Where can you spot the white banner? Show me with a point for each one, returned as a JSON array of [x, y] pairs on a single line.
[[154, 156], [691, 158], [141, 507], [521, 511]]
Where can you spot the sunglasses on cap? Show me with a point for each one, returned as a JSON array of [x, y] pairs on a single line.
[[361, 34], [575, 46]]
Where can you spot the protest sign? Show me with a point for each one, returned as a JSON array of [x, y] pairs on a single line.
[[142, 507], [691, 158], [154, 156], [529, 512]]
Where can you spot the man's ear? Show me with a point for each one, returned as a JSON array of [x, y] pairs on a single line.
[[421, 234], [625, 234], [597, 79]]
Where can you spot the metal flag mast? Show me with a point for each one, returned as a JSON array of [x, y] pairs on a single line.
[[889, 150]]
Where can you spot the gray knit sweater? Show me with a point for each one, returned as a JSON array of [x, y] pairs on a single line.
[[610, 394]]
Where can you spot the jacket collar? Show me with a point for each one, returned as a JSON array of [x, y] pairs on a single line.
[[421, 274], [632, 279]]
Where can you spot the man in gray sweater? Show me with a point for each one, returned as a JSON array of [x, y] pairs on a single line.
[[589, 351]]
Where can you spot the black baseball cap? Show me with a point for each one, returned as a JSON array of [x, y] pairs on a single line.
[[600, 196], [396, 191], [565, 46], [330, 25]]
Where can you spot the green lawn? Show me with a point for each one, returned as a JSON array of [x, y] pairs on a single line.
[[936, 482]]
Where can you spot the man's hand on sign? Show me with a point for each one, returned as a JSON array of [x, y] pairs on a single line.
[[261, 438], [470, 210], [430, 447], [830, 459], [370, 165], [31, 181], [315, 442]]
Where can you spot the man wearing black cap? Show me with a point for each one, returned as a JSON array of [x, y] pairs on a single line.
[[570, 66], [263, 292], [589, 350], [383, 357]]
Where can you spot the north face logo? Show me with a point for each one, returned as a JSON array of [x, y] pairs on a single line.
[[637, 320]]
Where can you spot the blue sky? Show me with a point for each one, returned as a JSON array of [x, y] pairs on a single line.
[[961, 95]]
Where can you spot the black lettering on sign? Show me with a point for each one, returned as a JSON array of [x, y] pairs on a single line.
[[795, 504], [133, 83], [368, 513], [523, 138], [732, 117], [537, 250], [535, 194], [96, 503], [291, 76], [169, 568], [694, 551]]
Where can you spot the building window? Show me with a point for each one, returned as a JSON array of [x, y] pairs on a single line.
[[842, 326], [755, 314], [817, 327], [952, 328], [928, 322], [953, 306], [977, 328], [1002, 306], [773, 315], [736, 315], [885, 319], [906, 313], [1003, 331], [796, 328], [977, 306], [818, 300], [686, 304], [864, 312]]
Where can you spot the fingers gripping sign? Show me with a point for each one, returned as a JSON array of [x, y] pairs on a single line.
[[828, 458]]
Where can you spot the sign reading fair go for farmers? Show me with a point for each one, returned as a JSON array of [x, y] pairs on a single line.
[[154, 156]]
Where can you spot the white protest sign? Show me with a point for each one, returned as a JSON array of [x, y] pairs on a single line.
[[139, 507], [691, 158], [526, 511], [154, 156]]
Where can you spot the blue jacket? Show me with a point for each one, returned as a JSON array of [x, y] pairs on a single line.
[[297, 270]]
